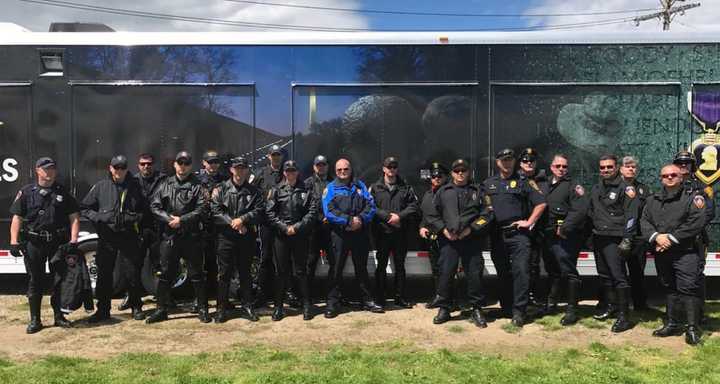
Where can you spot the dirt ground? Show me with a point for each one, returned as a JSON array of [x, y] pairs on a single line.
[[184, 334]]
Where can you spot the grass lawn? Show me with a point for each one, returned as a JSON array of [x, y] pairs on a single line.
[[385, 363]]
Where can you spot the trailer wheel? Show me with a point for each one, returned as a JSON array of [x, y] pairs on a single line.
[[89, 250], [150, 279]]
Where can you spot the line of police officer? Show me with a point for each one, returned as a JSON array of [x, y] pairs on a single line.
[[521, 211]]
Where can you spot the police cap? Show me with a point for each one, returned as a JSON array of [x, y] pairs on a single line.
[[45, 162], [185, 156], [528, 154], [437, 169], [239, 161], [320, 159], [290, 165], [211, 155], [275, 150], [460, 163], [684, 157], [119, 161], [390, 160], [506, 153]]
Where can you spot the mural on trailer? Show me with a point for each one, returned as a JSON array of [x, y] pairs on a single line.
[[705, 110]]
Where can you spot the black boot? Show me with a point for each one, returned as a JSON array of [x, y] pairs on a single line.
[[693, 334], [573, 290], [278, 313], [202, 301], [250, 313], [308, 310], [223, 291], [622, 323], [672, 326], [553, 296], [478, 318], [433, 303], [163, 299], [58, 315], [35, 324], [608, 310], [518, 318], [402, 303], [137, 313], [99, 316], [371, 306], [125, 304], [442, 316]]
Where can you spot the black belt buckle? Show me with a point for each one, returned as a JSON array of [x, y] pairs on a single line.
[[45, 236]]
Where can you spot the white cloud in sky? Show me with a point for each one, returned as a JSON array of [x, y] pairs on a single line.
[[37, 17], [702, 18]]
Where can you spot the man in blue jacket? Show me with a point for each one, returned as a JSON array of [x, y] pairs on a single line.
[[349, 208]]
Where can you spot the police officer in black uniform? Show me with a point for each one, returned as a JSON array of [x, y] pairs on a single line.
[[291, 211], [179, 205], [428, 232], [636, 260], [266, 178], [45, 216], [237, 208], [566, 212], [397, 207], [548, 297], [320, 236], [518, 204], [461, 215], [615, 217], [672, 220], [115, 206]]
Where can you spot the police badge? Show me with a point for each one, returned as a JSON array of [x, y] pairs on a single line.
[[704, 107]]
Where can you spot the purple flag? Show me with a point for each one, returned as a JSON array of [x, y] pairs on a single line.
[[706, 107]]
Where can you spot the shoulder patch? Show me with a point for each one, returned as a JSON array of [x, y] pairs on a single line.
[[481, 221], [513, 183], [534, 185], [699, 202], [215, 192], [18, 195], [709, 191], [579, 190], [487, 200], [630, 192]]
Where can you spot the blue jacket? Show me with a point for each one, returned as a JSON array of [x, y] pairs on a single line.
[[342, 202]]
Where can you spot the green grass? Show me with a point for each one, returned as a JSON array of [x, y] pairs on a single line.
[[456, 328], [596, 363], [550, 323], [510, 328]]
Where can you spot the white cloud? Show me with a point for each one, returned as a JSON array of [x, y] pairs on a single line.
[[702, 18], [37, 17]]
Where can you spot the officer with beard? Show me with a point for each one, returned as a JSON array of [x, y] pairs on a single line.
[[237, 208], [179, 205], [614, 214], [672, 220], [320, 237], [115, 206], [44, 217], [429, 231]]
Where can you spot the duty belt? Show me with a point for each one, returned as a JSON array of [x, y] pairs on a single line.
[[46, 236]]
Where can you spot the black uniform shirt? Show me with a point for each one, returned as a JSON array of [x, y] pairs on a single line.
[[114, 206], [614, 208], [44, 208], [458, 207], [427, 208], [231, 201], [693, 185], [148, 186], [267, 178], [681, 215], [400, 199], [513, 198], [567, 206], [317, 185], [291, 206]]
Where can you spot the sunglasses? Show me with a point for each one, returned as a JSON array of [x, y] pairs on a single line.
[[391, 167], [145, 164], [290, 170], [438, 176], [321, 164], [607, 167], [460, 170], [527, 161], [119, 167], [560, 166], [184, 163], [214, 161], [342, 169], [669, 176]]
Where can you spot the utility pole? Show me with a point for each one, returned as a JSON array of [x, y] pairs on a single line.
[[668, 12]]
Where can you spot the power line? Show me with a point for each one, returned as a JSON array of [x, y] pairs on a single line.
[[202, 20], [668, 12], [411, 13]]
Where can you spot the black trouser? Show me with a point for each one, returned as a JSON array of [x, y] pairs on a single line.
[[565, 252], [291, 252], [433, 247], [636, 271], [356, 243], [210, 256], [266, 269], [537, 252], [394, 242], [469, 252], [189, 248], [680, 272], [36, 256], [320, 241], [234, 253], [610, 265], [511, 256], [124, 245]]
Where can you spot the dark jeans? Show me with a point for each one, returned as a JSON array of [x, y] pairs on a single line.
[[610, 265], [291, 255], [123, 247], [469, 252], [355, 243], [511, 257], [386, 243]]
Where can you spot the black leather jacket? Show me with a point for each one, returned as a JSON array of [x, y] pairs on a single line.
[[231, 201], [114, 207], [317, 185], [291, 206], [180, 198], [401, 200]]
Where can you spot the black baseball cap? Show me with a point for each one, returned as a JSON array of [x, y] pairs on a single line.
[[275, 149], [290, 165], [45, 162], [528, 154], [184, 155], [684, 157], [460, 163], [239, 161], [211, 155], [390, 160], [437, 169], [320, 159], [506, 153], [119, 160]]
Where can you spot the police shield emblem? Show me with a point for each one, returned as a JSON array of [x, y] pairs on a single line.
[[705, 109]]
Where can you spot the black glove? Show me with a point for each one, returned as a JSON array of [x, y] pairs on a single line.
[[16, 250], [625, 247], [130, 218], [69, 248], [104, 217]]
